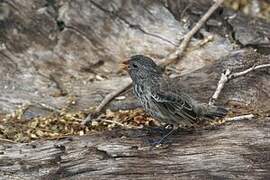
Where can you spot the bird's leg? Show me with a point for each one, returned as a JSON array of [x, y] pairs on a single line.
[[165, 136]]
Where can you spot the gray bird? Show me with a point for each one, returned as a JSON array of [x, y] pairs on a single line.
[[160, 99]]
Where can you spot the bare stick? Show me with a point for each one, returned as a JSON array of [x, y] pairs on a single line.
[[7, 140], [104, 102], [223, 79], [113, 122], [237, 118], [235, 75], [118, 123], [112, 95], [180, 50], [51, 108], [177, 54], [228, 75]]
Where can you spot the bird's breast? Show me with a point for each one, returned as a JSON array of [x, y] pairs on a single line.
[[142, 94]]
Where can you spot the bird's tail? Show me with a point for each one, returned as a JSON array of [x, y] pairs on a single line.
[[213, 112]]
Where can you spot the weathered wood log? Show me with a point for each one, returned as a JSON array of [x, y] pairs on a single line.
[[237, 150], [52, 49]]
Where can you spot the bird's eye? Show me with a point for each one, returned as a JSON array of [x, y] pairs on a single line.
[[134, 65]]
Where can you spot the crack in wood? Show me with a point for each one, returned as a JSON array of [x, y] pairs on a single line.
[[133, 26]]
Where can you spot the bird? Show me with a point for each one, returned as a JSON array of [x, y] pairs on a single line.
[[162, 100]]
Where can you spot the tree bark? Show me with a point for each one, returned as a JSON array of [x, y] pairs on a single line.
[[51, 50], [236, 150]]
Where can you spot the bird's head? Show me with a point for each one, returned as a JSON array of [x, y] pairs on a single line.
[[141, 67]]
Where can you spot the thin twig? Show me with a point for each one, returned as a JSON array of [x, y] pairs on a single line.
[[49, 107], [177, 54], [104, 102], [228, 75], [7, 140], [112, 95], [235, 75], [180, 50], [237, 118], [223, 79], [113, 122]]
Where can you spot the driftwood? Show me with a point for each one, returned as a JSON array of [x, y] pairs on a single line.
[[51, 50], [227, 76], [169, 59], [236, 150]]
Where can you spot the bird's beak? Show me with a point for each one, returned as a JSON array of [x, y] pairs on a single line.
[[124, 65]]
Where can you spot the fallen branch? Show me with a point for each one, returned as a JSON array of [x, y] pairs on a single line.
[[240, 150], [228, 75], [104, 102], [235, 75], [237, 118], [180, 50], [7, 140], [48, 107], [113, 122], [171, 58], [112, 95], [223, 79]]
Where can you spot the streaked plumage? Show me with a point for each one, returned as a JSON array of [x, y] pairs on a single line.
[[162, 100]]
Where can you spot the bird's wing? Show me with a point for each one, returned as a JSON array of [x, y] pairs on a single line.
[[177, 105]]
